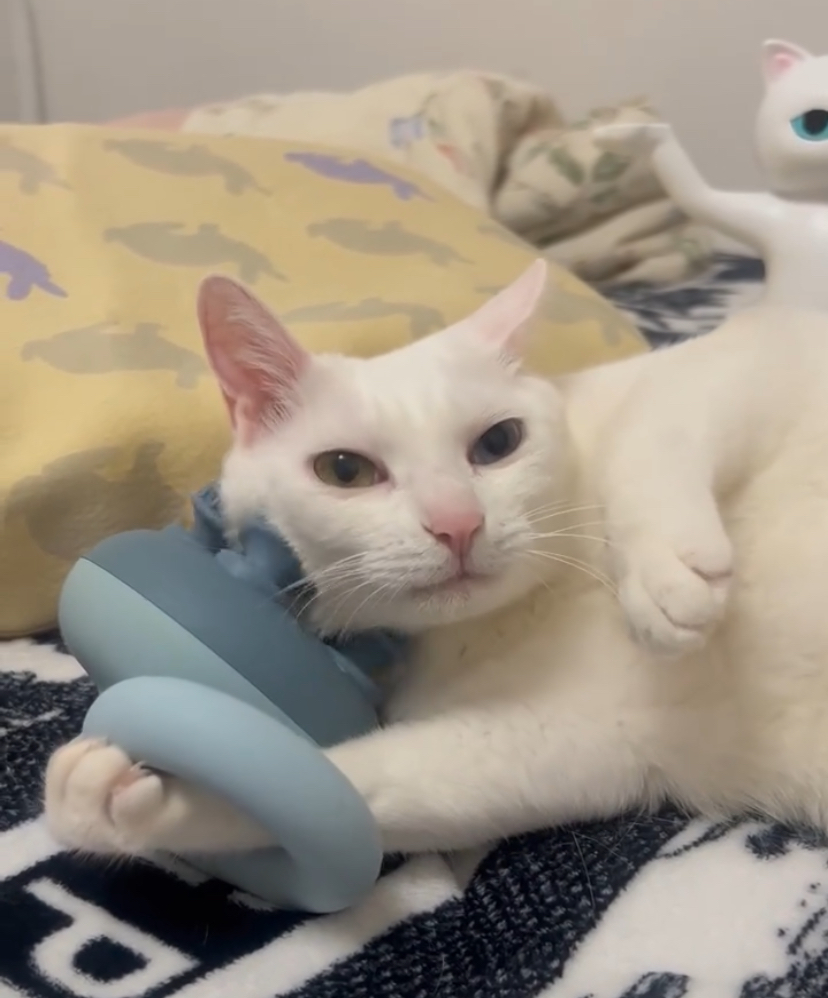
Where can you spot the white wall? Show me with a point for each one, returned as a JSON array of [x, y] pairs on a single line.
[[13, 48], [697, 59]]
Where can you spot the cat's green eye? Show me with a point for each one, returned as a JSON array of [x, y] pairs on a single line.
[[345, 469], [497, 443]]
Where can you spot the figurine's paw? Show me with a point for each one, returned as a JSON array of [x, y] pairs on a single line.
[[98, 800], [673, 598], [632, 139]]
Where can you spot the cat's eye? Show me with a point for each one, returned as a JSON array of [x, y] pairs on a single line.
[[812, 125], [345, 469], [497, 443]]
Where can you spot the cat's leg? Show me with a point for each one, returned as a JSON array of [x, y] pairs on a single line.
[[746, 217], [448, 783], [674, 577], [669, 549], [459, 781]]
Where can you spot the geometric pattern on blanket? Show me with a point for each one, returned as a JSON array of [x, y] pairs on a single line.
[[659, 906]]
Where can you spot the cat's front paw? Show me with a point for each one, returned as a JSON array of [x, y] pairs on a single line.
[[672, 601], [98, 800], [632, 139]]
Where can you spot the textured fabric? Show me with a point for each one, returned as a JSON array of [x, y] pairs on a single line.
[[500, 144], [108, 414], [637, 907]]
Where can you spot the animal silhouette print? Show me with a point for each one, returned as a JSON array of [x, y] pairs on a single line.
[[405, 131], [33, 172], [103, 347], [26, 273], [208, 246], [422, 320], [356, 171], [192, 161], [387, 239], [71, 505]]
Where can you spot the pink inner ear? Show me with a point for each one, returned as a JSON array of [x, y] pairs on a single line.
[[257, 362], [779, 57], [502, 321], [780, 62]]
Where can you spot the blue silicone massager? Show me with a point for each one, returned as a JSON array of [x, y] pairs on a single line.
[[205, 672]]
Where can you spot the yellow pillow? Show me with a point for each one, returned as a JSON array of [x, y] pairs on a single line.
[[109, 415]]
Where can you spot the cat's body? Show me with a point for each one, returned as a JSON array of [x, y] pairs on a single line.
[[528, 702], [787, 225]]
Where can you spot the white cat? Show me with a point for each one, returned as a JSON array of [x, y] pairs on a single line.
[[787, 226], [442, 489]]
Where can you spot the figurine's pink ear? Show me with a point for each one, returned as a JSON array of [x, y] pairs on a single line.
[[257, 362], [778, 57]]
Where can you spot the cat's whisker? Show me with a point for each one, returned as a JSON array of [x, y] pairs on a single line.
[[323, 573], [533, 517], [578, 526], [576, 563], [583, 537], [384, 586], [548, 507], [325, 592], [584, 566], [544, 518], [324, 578], [348, 594], [555, 504], [541, 580]]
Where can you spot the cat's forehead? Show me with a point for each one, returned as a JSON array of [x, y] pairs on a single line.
[[425, 386], [437, 365]]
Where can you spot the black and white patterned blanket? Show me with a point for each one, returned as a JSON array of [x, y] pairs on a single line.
[[657, 907]]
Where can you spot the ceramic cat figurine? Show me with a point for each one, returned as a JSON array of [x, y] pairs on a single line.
[[618, 579], [788, 225]]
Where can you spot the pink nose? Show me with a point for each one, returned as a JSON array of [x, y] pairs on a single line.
[[456, 528]]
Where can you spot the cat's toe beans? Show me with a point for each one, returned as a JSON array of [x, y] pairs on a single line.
[[89, 786], [686, 598], [670, 605], [63, 764], [137, 800], [713, 562], [651, 626]]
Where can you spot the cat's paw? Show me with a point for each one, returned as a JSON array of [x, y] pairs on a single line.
[[98, 800], [672, 601], [632, 139]]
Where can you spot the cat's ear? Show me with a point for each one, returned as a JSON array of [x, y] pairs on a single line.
[[257, 362], [778, 57], [501, 324]]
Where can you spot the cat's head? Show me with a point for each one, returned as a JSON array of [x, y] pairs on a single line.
[[410, 485], [792, 123]]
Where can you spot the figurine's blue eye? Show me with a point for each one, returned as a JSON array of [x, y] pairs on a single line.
[[812, 126]]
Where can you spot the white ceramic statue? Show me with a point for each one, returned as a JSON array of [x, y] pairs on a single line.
[[788, 224]]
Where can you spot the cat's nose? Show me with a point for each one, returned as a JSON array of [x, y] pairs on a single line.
[[456, 529]]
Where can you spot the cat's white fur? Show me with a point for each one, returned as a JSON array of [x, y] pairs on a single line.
[[787, 224], [696, 478]]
